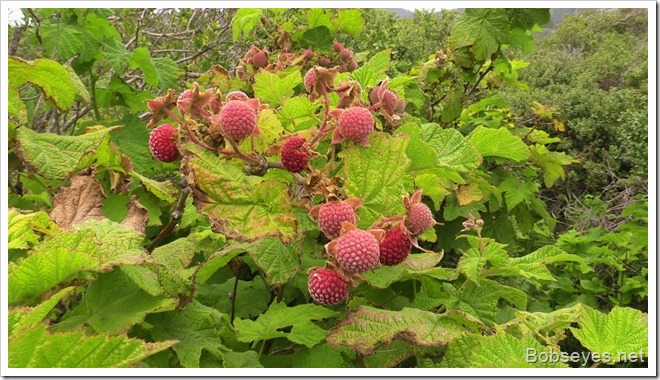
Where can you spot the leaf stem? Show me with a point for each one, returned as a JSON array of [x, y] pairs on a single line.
[[233, 295]]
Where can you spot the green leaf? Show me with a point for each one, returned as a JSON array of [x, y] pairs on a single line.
[[35, 348], [279, 262], [166, 72], [270, 324], [141, 59], [22, 228], [319, 37], [320, 17], [197, 328], [483, 29], [53, 156], [97, 246], [116, 55], [622, 330], [247, 359], [499, 143], [517, 191], [24, 318], [298, 111], [364, 329], [534, 265], [273, 89], [112, 304], [497, 351], [414, 266], [271, 132], [376, 175], [374, 70], [454, 106], [552, 163], [350, 21], [244, 22], [451, 148], [165, 190], [58, 83], [240, 206]]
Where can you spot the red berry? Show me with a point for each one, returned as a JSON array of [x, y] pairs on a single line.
[[355, 124], [357, 251], [294, 156], [260, 60], [162, 143], [345, 54], [352, 65], [332, 215], [419, 218], [310, 78], [327, 287], [337, 46], [395, 246], [238, 120], [324, 61]]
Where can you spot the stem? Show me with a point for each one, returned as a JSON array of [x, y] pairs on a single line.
[[242, 155], [92, 79], [173, 116], [176, 215], [233, 296], [326, 117], [481, 76], [261, 350]]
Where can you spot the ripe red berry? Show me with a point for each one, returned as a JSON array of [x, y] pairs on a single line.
[[354, 124], [337, 46], [324, 61], [352, 65], [345, 54], [419, 218], [162, 143], [357, 251], [327, 287], [332, 214], [294, 155], [260, 60], [395, 246], [238, 120]]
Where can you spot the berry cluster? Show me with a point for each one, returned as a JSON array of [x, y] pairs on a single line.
[[221, 123], [353, 251]]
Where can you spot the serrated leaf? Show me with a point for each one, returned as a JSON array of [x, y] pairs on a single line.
[[197, 328], [517, 191], [278, 262], [451, 148], [165, 190], [166, 72], [318, 37], [374, 70], [272, 89], [141, 58], [454, 106], [97, 246], [483, 29], [53, 156], [622, 330], [367, 327], [552, 163], [116, 55], [35, 348], [24, 318], [299, 318], [244, 22], [112, 304], [298, 111], [271, 131], [351, 22], [376, 175], [415, 265], [243, 207], [247, 359], [22, 228], [499, 143]]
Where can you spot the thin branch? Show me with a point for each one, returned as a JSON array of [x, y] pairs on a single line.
[[176, 215]]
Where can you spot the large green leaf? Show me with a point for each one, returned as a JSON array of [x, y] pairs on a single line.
[[56, 82], [97, 246], [499, 143], [374, 70], [141, 59], [240, 206], [36, 348], [273, 89], [366, 328], [622, 330], [244, 22], [23, 228], [26, 317], [279, 262], [497, 351], [416, 265], [376, 175], [53, 156], [485, 29], [298, 112], [197, 328], [351, 22], [272, 323], [112, 304], [451, 148]]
